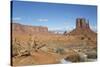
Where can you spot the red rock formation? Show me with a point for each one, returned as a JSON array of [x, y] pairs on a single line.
[[81, 23], [83, 32], [19, 28], [82, 28]]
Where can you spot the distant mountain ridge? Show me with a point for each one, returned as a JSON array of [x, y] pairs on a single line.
[[20, 28]]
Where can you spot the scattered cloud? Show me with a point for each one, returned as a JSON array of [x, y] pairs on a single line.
[[16, 18], [42, 20]]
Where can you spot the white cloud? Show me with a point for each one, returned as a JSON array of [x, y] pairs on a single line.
[[42, 20], [16, 18]]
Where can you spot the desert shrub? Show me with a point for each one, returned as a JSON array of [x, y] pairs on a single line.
[[34, 45], [82, 38], [59, 50], [14, 51], [18, 49]]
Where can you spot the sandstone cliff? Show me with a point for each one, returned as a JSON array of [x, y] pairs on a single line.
[[26, 29]]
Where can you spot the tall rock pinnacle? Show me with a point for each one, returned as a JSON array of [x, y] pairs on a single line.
[[82, 27], [82, 23]]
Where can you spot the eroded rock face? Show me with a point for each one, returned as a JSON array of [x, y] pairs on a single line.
[[19, 28], [82, 23], [82, 28]]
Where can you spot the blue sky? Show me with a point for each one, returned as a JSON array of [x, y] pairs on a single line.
[[54, 16]]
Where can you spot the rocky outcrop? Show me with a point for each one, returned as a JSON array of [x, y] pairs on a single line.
[[82, 23], [82, 28]]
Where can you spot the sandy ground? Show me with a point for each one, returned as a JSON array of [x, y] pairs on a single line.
[[37, 58]]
